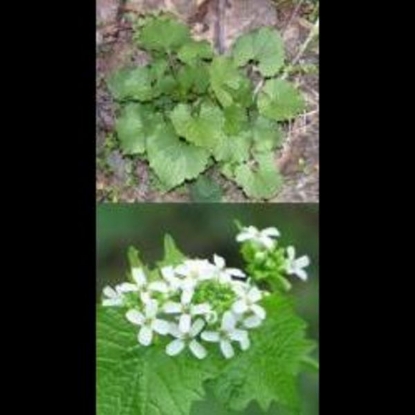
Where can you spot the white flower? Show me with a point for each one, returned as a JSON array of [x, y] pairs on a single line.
[[263, 237], [169, 275], [143, 286], [186, 311], [114, 297], [295, 266], [246, 302], [228, 333], [192, 271], [148, 322], [224, 274], [186, 339]]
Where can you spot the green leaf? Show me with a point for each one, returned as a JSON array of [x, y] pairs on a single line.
[[133, 126], [172, 160], [205, 190], [135, 380], [158, 68], [234, 148], [264, 46], [267, 134], [167, 86], [262, 182], [172, 255], [194, 78], [236, 119], [204, 130], [132, 84], [134, 258], [268, 370], [227, 169], [280, 100], [227, 82], [310, 364], [194, 51], [163, 34]]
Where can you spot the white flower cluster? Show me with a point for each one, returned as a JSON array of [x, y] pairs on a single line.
[[265, 239], [193, 302]]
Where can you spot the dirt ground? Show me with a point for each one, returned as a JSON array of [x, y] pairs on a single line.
[[126, 179]]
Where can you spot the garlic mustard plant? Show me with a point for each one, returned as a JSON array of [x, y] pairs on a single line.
[[185, 321]]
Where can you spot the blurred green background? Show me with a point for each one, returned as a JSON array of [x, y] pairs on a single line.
[[200, 230]]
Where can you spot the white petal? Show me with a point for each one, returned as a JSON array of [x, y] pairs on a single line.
[[238, 335], [168, 273], [175, 347], [146, 297], [171, 308], [252, 322], [302, 262], [145, 335], [291, 253], [235, 272], [239, 288], [174, 331], [270, 232], [219, 261], [239, 307], [184, 323], [182, 270], [161, 326], [210, 336], [127, 287], [241, 336], [267, 242], [258, 311], [224, 278], [242, 237], [187, 293], [111, 302], [197, 349], [151, 308], [200, 309], [226, 349], [301, 274], [245, 342], [109, 292], [135, 317], [159, 286], [254, 294], [197, 327], [228, 321], [138, 276]]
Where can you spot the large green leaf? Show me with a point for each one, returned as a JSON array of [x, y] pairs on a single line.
[[205, 190], [266, 133], [262, 181], [268, 370], [132, 84], [204, 130], [234, 148], [136, 380], [194, 51], [163, 34], [193, 78], [264, 46], [280, 100], [228, 84], [133, 126], [173, 160]]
